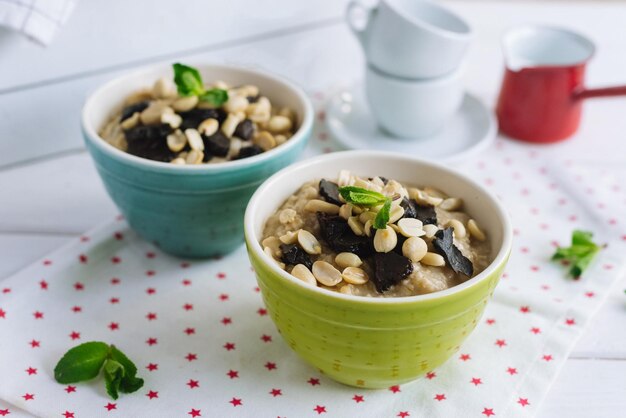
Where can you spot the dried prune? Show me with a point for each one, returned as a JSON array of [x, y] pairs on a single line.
[[193, 117], [389, 269], [149, 142], [330, 192], [426, 214], [250, 151], [444, 245], [253, 99], [409, 207], [130, 110], [217, 144], [338, 235], [293, 254], [245, 130]]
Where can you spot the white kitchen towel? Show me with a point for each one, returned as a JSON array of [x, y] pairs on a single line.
[[37, 19], [204, 344]]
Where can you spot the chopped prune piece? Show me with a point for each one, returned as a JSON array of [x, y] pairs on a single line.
[[444, 245], [149, 142], [389, 269], [217, 144], [426, 214], [245, 130], [250, 151], [409, 206], [293, 254], [193, 117], [338, 235], [330, 192], [253, 99], [130, 110]]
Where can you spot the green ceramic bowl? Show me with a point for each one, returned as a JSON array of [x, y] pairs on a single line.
[[375, 342], [189, 211]]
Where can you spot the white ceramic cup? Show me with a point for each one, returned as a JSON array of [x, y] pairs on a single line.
[[413, 109], [410, 38]]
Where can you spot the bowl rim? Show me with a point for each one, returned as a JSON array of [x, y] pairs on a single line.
[[92, 136], [254, 245]]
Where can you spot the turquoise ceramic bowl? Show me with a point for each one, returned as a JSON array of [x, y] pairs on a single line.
[[189, 211]]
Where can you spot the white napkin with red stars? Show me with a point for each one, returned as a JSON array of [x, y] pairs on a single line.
[[37, 19], [206, 347]]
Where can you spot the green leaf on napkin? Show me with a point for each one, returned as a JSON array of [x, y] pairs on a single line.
[[579, 254], [189, 83], [361, 197], [85, 361]]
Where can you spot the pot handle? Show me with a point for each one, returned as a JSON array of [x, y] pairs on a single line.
[[360, 31], [602, 92]]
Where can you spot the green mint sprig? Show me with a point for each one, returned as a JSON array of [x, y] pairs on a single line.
[[359, 196], [579, 254], [85, 361], [189, 83]]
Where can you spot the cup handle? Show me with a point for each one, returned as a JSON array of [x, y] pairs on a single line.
[[355, 7], [601, 92]]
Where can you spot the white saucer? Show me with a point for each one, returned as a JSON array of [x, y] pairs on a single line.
[[471, 129]]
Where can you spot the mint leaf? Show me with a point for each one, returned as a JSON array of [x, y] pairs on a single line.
[[130, 383], [113, 375], [216, 97], [81, 363], [188, 80], [361, 197], [579, 254], [382, 217]]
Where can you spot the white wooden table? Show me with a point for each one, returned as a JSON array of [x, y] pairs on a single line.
[[49, 190]]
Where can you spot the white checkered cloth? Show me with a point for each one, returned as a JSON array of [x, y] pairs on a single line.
[[39, 20]]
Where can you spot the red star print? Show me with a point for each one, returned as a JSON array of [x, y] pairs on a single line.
[[31, 371], [193, 384], [229, 346], [276, 392], [70, 389], [221, 275], [186, 282], [403, 414], [184, 265], [358, 398], [257, 289], [47, 262], [114, 326], [152, 367], [113, 301], [490, 321], [115, 260], [440, 397], [68, 414], [262, 311], [320, 409], [187, 306], [79, 286], [500, 343], [266, 338], [223, 297], [28, 396], [4, 412], [233, 374], [195, 413], [476, 381], [524, 309], [43, 285], [545, 287], [226, 320], [151, 341], [77, 309], [548, 357], [6, 290], [465, 357], [3, 313], [236, 402], [488, 412], [38, 315], [83, 258], [151, 316], [152, 394], [151, 290], [431, 375], [534, 268], [535, 330], [511, 371], [118, 236], [189, 331], [35, 343], [150, 254], [191, 357], [313, 381], [270, 366], [395, 388], [115, 281], [570, 321], [150, 273], [523, 401], [590, 294], [110, 406]]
